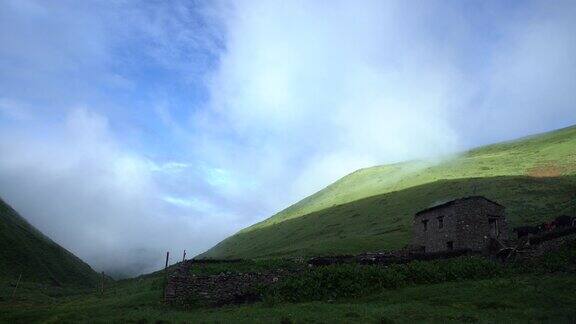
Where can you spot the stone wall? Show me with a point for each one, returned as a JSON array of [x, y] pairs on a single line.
[[391, 257], [542, 247], [185, 288], [474, 230], [550, 235]]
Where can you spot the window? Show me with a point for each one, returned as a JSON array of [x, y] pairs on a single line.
[[450, 245], [441, 222], [425, 225], [494, 230]]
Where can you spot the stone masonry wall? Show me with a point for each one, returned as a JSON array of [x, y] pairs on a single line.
[[184, 288], [473, 230], [542, 248], [466, 224]]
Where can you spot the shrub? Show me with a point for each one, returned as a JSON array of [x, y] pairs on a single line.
[[466, 268], [463, 268], [352, 280], [334, 281]]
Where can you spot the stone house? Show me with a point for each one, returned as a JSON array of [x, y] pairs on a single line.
[[465, 223]]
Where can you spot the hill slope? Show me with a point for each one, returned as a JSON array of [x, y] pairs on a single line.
[[371, 209], [25, 250]]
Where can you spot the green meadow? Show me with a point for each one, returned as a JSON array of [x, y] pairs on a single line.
[[469, 289]]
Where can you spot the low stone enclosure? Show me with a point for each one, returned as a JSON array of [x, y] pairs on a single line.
[[185, 288]]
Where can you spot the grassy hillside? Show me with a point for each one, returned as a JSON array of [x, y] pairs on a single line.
[[371, 209], [27, 252]]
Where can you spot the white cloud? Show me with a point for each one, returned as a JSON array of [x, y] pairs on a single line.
[[306, 93], [531, 79], [14, 110], [82, 188], [195, 204], [169, 167], [299, 94]]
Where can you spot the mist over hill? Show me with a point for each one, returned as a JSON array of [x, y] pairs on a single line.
[[372, 209]]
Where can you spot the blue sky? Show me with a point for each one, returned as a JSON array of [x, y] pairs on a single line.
[[132, 127]]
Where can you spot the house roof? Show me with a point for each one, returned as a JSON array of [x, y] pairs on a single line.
[[454, 202]]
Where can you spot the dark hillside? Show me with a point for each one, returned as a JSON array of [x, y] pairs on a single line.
[[25, 250]]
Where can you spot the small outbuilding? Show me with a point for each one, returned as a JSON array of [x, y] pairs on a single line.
[[465, 223]]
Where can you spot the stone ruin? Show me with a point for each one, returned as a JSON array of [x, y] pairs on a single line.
[[467, 223], [185, 288]]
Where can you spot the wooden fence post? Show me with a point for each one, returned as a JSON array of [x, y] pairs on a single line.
[[16, 287], [166, 274], [102, 285]]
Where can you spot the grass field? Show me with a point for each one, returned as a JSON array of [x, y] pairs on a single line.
[[466, 289], [528, 298], [372, 209]]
